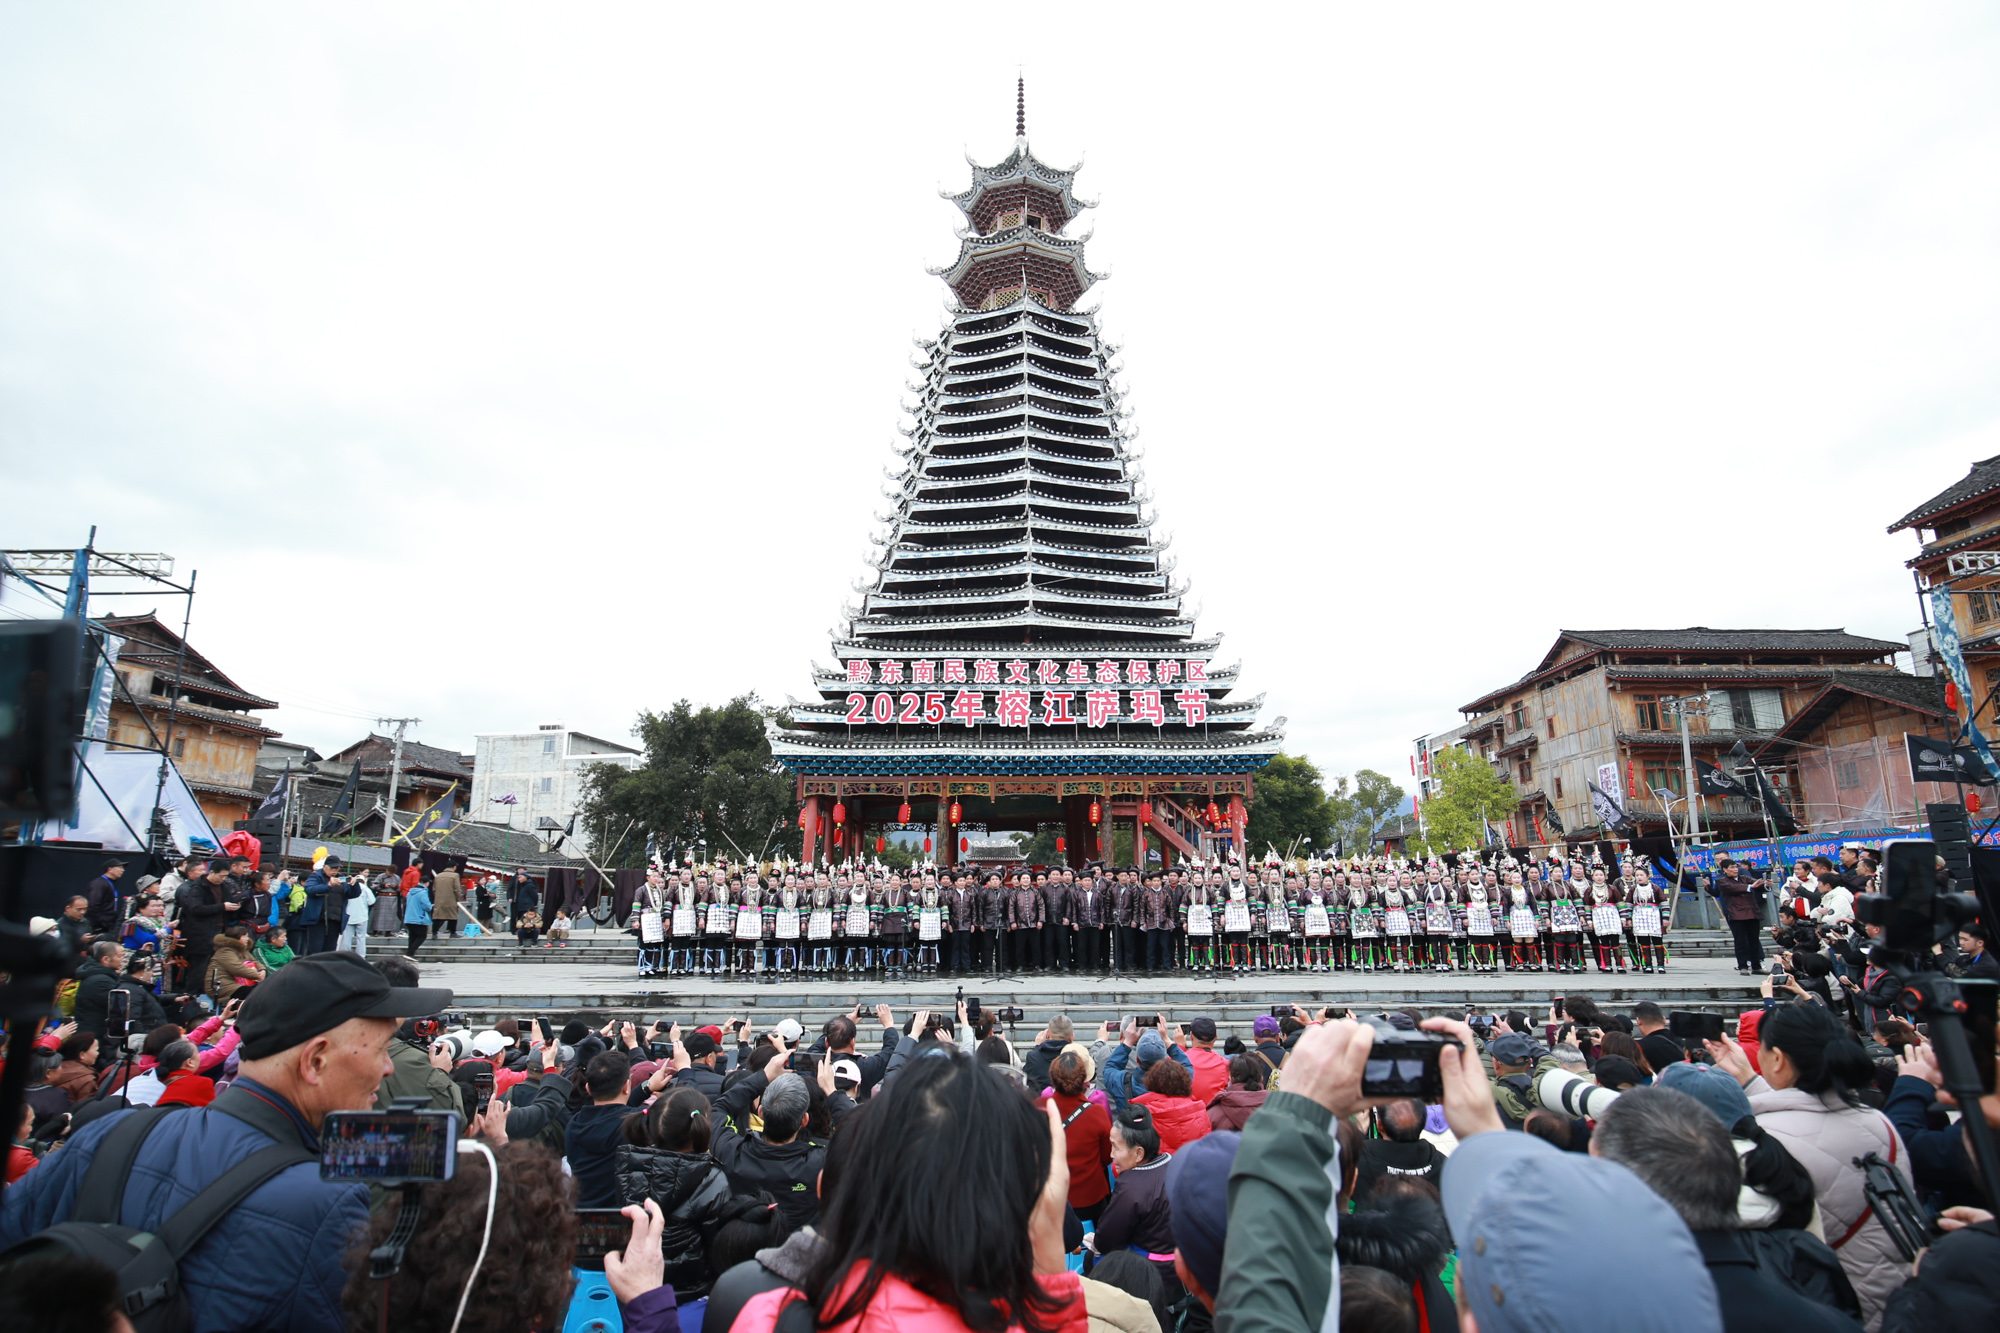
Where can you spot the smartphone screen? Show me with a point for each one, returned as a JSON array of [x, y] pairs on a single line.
[[598, 1232], [117, 1014], [389, 1146], [484, 1083]]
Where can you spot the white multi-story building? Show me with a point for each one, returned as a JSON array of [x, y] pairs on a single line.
[[542, 770]]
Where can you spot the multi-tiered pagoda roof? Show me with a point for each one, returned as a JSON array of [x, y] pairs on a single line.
[[1020, 616]]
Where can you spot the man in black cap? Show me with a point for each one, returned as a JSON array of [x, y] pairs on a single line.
[[702, 1074], [314, 1040]]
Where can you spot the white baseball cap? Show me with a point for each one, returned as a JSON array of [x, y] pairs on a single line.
[[789, 1029], [489, 1043]]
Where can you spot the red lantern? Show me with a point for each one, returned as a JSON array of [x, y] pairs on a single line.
[[840, 812], [903, 813], [1145, 812], [965, 844], [802, 818], [1972, 802], [956, 812], [881, 846], [1061, 846], [1214, 813], [1096, 813], [1951, 695], [927, 846], [822, 825]]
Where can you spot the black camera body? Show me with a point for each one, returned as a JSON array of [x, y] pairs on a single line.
[[1404, 1064], [1007, 1013], [1913, 911]]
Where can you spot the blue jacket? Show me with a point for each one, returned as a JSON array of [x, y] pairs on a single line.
[[417, 906], [294, 1214], [319, 888], [1121, 1075]]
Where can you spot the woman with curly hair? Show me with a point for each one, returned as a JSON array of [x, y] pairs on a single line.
[[521, 1282]]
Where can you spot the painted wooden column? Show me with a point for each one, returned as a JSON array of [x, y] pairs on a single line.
[[947, 831], [1138, 841], [1239, 823], [810, 831]]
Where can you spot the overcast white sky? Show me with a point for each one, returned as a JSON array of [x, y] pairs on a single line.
[[500, 363]]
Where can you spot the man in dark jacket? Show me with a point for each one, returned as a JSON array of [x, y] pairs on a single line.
[[1055, 922], [95, 981], [704, 1074], [1740, 900], [325, 910], [1687, 1158], [314, 1041], [1035, 1065], [205, 908], [783, 1159], [591, 1142], [993, 923], [102, 893], [73, 928]]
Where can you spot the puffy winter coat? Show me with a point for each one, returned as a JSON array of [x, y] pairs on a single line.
[[231, 967], [1825, 1135], [1180, 1120], [691, 1191], [294, 1214], [1233, 1107], [788, 1171]]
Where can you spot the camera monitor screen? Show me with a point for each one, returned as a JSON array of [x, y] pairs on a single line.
[[389, 1146]]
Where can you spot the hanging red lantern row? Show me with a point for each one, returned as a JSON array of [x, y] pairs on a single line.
[[1214, 814], [903, 813], [840, 812], [956, 812], [1096, 813], [1145, 812]]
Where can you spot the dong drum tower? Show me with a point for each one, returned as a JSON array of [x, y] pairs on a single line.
[[1020, 656]]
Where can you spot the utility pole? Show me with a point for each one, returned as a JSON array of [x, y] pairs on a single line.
[[395, 772]]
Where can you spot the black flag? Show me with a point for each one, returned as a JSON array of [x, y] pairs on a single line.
[[1782, 822], [1716, 782], [1941, 761]]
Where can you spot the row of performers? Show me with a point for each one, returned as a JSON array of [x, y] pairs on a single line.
[[1201, 920]]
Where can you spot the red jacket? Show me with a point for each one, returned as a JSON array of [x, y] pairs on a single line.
[[1211, 1073], [1179, 1119], [1089, 1140], [187, 1088], [899, 1307]]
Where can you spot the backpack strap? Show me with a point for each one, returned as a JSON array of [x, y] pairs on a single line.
[[101, 1196], [194, 1218]]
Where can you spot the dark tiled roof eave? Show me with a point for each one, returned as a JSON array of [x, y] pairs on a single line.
[[1981, 480]]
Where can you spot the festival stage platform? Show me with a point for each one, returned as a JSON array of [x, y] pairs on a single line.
[[489, 991]]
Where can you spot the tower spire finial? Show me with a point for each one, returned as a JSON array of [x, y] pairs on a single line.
[[1020, 107]]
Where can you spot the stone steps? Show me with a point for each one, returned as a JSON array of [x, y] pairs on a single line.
[[1179, 999], [618, 947]]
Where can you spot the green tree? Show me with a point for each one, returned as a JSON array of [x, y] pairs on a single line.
[[1470, 793], [1292, 805], [708, 776], [1375, 797]]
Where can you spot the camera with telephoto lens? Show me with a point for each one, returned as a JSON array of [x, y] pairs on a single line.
[[1572, 1095], [1404, 1064]]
